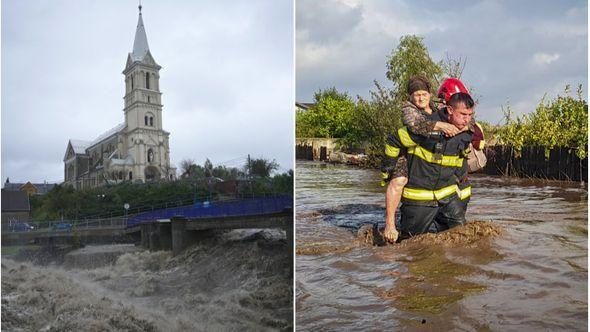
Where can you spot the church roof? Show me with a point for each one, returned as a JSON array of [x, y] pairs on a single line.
[[107, 134], [140, 44], [79, 145]]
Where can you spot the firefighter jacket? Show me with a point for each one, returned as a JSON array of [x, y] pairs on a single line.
[[436, 164]]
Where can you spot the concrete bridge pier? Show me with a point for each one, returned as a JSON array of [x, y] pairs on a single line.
[[183, 238], [156, 235]]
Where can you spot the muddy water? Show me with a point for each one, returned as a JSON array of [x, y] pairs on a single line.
[[238, 282], [521, 266]]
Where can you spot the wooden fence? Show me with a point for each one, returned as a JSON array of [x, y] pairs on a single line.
[[562, 164]]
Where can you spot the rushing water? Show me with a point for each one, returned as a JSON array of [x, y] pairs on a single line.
[[240, 281], [523, 268]]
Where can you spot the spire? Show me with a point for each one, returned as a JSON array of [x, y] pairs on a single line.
[[140, 44]]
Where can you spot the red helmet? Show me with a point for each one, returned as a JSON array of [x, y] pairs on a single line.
[[449, 87]]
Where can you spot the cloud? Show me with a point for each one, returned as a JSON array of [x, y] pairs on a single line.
[[514, 51], [542, 59]]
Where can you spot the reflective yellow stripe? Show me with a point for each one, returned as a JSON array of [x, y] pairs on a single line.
[[404, 136], [483, 135], [384, 175], [429, 195], [465, 193], [449, 161], [482, 144], [391, 151], [467, 151]]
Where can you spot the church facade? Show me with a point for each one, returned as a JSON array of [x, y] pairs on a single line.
[[136, 150]]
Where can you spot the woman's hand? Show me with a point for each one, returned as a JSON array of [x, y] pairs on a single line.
[[448, 129]]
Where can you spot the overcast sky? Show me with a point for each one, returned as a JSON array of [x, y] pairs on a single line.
[[227, 78], [515, 51]]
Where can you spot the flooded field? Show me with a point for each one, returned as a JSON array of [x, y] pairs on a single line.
[[520, 265], [240, 281]]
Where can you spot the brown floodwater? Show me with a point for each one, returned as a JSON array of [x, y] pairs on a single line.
[[520, 264]]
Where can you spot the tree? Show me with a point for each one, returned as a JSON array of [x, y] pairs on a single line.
[[330, 117], [410, 58], [187, 168], [381, 114], [261, 167]]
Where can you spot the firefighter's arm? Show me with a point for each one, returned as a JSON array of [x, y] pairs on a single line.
[[396, 144]]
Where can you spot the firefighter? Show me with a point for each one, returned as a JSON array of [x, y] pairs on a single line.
[[416, 115], [432, 196], [476, 158]]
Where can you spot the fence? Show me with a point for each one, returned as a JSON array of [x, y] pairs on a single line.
[[562, 164], [245, 207], [68, 225]]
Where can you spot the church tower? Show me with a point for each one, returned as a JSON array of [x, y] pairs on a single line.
[[146, 141]]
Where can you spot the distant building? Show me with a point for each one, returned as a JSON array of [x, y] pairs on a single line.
[[137, 149], [15, 207], [30, 188], [304, 106]]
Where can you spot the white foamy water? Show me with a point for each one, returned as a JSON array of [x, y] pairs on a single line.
[[240, 281]]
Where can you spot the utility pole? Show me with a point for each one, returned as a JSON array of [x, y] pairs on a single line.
[[250, 176]]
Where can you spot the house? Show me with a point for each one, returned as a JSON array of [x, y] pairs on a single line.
[[15, 207]]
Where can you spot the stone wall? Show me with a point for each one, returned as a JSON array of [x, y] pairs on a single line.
[[314, 148]]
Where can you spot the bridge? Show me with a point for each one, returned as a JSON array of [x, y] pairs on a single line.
[[169, 229]]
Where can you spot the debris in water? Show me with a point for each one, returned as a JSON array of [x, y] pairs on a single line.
[[468, 234]]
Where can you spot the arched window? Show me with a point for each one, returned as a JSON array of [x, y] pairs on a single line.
[[146, 120], [151, 121], [120, 175], [130, 175], [147, 80], [131, 81]]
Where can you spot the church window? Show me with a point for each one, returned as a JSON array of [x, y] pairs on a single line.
[[120, 175], [146, 120], [151, 121], [130, 175], [148, 99], [147, 80], [131, 81]]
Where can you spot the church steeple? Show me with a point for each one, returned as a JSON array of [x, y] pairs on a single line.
[[140, 43], [143, 106]]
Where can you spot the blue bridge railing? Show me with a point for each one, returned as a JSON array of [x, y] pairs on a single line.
[[244, 207]]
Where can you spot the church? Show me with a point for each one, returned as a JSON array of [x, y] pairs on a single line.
[[136, 150]]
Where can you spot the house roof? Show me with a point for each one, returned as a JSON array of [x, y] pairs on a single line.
[[15, 201], [42, 188], [304, 106]]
